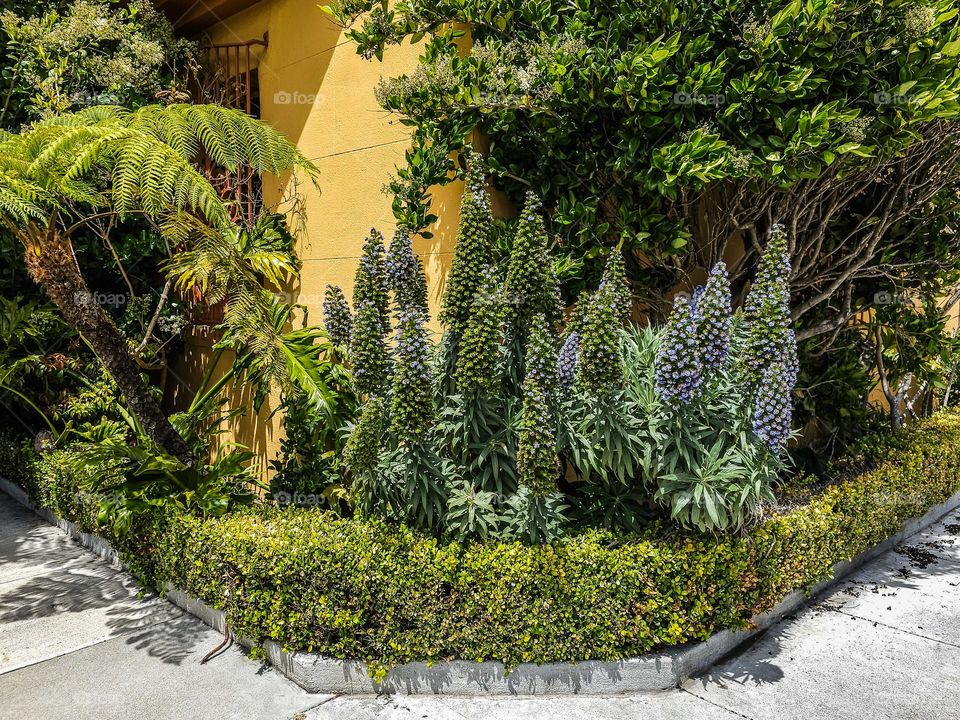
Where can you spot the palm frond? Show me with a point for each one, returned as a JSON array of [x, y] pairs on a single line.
[[229, 137]]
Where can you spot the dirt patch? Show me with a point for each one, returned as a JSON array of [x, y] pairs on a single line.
[[953, 528]]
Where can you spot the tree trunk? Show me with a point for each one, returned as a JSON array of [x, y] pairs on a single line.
[[52, 264]]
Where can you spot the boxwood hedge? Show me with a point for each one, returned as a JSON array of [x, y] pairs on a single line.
[[385, 594]]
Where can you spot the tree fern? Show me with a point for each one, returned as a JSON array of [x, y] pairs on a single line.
[[58, 173]]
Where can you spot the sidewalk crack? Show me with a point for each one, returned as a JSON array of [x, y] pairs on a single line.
[[715, 704], [303, 713], [894, 627]]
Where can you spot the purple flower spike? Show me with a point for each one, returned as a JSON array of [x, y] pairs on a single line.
[[678, 368]]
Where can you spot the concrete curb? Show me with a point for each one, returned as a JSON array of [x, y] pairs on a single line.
[[657, 671]]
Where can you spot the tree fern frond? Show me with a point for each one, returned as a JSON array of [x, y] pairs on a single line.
[[20, 200], [228, 136], [84, 193], [93, 115], [168, 127], [57, 149], [85, 159]]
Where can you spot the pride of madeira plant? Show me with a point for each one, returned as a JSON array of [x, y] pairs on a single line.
[[516, 427]]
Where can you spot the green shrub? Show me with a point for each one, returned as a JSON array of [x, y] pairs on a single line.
[[65, 488], [52, 480], [68, 54], [18, 463], [387, 594]]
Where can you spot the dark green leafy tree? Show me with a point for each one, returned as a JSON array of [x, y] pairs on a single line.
[[909, 345], [676, 131], [677, 97]]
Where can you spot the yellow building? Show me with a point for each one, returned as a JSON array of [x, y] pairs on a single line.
[[289, 63]]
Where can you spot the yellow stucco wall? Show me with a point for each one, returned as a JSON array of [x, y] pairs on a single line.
[[320, 93], [316, 89]]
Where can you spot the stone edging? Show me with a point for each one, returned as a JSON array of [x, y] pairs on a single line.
[[657, 671]]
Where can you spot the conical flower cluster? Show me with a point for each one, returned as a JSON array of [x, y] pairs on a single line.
[[411, 410], [368, 351], [767, 308], [474, 250], [404, 272], [541, 360], [678, 371], [695, 301], [529, 285], [370, 281], [362, 451], [615, 277], [791, 359], [714, 319], [478, 361], [337, 318], [555, 307], [772, 410], [537, 463], [567, 359], [599, 360]]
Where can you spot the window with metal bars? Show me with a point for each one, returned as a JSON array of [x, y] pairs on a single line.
[[228, 76]]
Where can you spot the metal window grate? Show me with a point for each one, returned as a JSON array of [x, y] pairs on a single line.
[[228, 77]]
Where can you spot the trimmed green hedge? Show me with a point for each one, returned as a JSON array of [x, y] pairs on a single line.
[[387, 595]]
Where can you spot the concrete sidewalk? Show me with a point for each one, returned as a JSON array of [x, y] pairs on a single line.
[[76, 641]]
